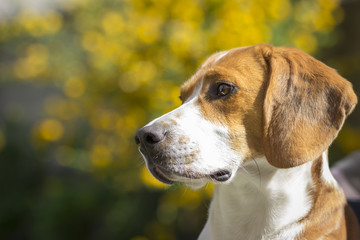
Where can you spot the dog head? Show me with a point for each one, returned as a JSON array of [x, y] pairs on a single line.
[[245, 103]]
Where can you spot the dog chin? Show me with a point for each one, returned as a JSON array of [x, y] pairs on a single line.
[[193, 180], [195, 185], [168, 177]]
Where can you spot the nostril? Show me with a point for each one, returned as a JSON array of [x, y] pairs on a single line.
[[150, 135], [153, 138]]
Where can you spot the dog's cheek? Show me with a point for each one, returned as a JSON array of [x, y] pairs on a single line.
[[243, 144], [216, 151]]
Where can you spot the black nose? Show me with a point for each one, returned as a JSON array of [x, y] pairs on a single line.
[[150, 135]]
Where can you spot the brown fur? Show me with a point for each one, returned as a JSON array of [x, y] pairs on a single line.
[[243, 116], [289, 107], [352, 229], [187, 90], [305, 106], [326, 216], [329, 217]]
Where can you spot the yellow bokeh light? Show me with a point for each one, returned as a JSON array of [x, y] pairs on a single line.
[[187, 11], [93, 41], [190, 199], [74, 87], [104, 119], [305, 41], [279, 9], [209, 189], [63, 109], [112, 23], [40, 24], [138, 74], [148, 30], [100, 155], [348, 139], [184, 39], [50, 130], [34, 63]]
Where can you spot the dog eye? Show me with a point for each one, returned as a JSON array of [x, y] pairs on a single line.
[[224, 89]]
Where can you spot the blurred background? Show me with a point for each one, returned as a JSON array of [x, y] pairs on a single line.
[[79, 77]]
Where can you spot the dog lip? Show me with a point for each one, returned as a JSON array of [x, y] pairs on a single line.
[[159, 175], [221, 176], [162, 174]]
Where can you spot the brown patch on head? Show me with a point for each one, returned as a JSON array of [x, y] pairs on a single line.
[[326, 216], [189, 87], [241, 111], [287, 105]]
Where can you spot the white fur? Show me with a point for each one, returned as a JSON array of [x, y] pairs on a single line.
[[208, 140], [262, 202], [326, 174]]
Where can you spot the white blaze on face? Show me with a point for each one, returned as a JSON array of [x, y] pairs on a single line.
[[221, 56], [211, 138], [196, 146]]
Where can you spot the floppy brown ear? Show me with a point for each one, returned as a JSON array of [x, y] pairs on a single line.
[[305, 106]]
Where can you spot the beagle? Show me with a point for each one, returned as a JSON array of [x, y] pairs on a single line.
[[258, 121]]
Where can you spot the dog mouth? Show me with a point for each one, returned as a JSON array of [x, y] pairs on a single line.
[[171, 174], [170, 177], [160, 175], [221, 176]]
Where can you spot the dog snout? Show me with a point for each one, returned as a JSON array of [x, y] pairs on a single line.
[[150, 135]]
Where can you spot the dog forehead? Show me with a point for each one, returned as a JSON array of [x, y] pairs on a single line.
[[228, 59], [239, 59], [195, 81]]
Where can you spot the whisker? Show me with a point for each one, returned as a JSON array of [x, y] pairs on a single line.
[[257, 166], [244, 169], [184, 192], [140, 163], [140, 158]]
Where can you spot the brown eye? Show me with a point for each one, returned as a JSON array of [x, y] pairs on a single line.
[[221, 90], [224, 89]]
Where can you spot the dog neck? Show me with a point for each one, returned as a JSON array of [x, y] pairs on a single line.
[[263, 202]]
